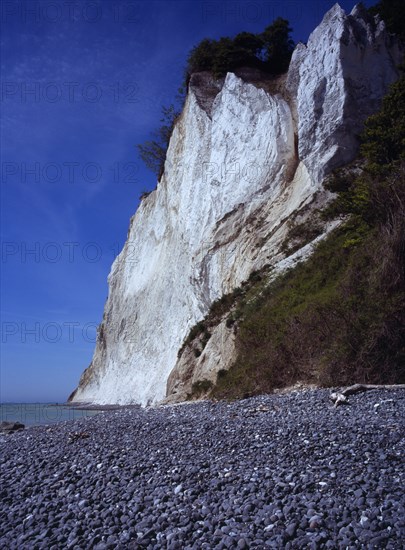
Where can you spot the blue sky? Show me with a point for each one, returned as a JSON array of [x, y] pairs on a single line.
[[82, 83]]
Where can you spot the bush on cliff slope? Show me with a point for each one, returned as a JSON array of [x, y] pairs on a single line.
[[153, 152], [339, 317]]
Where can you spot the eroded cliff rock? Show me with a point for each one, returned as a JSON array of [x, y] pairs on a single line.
[[243, 159]]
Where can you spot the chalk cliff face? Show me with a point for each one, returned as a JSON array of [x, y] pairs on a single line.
[[243, 159]]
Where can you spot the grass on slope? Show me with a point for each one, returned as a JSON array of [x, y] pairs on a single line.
[[335, 319]]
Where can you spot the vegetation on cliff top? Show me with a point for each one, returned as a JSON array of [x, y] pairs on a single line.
[[269, 51]]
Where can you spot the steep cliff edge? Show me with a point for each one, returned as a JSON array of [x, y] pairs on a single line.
[[241, 162]]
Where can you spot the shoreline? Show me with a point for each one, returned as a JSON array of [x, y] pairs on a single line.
[[96, 407], [298, 387], [274, 471]]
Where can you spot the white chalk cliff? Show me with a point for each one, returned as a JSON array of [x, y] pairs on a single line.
[[243, 158]]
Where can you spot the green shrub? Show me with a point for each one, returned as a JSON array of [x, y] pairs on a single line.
[[371, 195]]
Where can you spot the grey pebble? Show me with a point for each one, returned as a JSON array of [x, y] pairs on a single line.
[[210, 475]]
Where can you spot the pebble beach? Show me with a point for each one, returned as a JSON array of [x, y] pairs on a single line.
[[279, 471]]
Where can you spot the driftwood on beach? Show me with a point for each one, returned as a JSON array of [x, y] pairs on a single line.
[[340, 397]]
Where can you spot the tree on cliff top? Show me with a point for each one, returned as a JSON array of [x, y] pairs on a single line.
[[279, 46], [270, 51]]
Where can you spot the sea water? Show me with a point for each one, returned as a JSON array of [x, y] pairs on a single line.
[[36, 414]]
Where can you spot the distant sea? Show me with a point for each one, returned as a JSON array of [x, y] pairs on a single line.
[[37, 414]]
